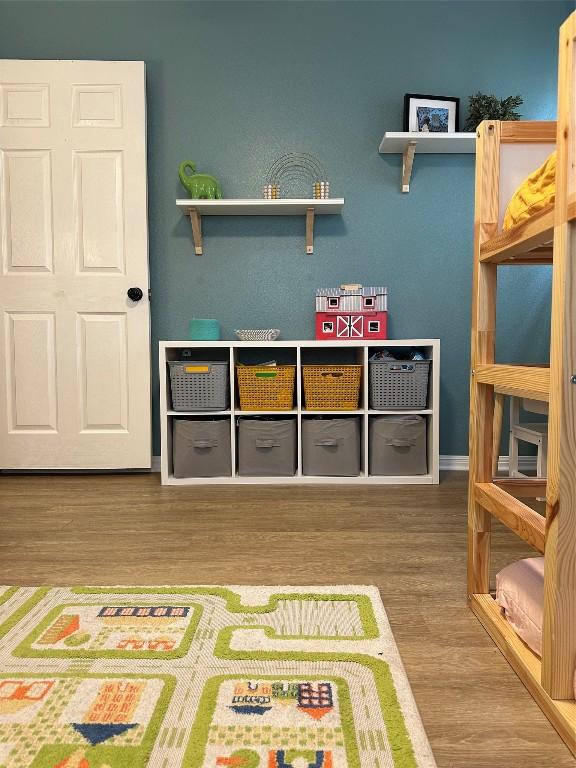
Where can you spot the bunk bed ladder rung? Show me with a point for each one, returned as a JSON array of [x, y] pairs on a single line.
[[520, 518], [532, 382]]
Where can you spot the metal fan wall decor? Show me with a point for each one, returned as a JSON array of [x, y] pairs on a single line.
[[296, 175]]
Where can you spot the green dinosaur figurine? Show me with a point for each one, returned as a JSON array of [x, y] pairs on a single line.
[[200, 186]]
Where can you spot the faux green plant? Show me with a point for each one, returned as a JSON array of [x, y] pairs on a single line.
[[489, 107]]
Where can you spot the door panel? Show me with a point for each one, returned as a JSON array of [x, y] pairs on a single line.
[[97, 105], [357, 326], [342, 326], [74, 350], [103, 374], [25, 105], [99, 211], [31, 372], [26, 211]]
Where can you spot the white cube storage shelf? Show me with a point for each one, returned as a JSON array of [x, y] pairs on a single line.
[[299, 353]]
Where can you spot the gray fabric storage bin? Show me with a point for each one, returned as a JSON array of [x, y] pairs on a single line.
[[331, 447], [201, 448], [397, 445], [267, 448]]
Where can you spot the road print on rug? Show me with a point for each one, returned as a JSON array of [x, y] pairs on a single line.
[[198, 677]]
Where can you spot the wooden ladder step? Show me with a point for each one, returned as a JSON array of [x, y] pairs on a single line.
[[528, 381], [529, 242], [524, 521]]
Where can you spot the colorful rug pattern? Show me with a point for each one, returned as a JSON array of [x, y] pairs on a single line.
[[198, 677]]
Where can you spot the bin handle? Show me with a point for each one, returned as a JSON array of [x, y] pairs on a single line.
[[328, 441], [408, 367], [197, 368], [262, 443], [398, 443], [333, 374], [266, 374], [205, 443]]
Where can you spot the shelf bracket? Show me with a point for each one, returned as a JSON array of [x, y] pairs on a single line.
[[196, 221], [407, 161], [310, 230]]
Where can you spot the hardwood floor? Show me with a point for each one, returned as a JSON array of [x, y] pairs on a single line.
[[409, 541]]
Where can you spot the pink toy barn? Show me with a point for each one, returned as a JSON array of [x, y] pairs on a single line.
[[351, 312]]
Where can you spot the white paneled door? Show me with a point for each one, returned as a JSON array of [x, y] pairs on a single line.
[[74, 335]]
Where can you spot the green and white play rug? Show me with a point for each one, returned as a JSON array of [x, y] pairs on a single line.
[[183, 677]]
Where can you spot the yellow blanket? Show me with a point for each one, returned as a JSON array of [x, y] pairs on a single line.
[[535, 193]]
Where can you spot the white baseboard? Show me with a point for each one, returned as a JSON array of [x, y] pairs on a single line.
[[447, 463], [460, 463]]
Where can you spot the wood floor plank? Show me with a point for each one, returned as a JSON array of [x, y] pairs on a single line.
[[409, 542]]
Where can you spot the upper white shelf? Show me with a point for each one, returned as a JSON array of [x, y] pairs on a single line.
[[258, 207], [395, 142], [408, 143]]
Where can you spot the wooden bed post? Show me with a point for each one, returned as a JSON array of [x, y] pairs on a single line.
[[482, 352], [559, 632]]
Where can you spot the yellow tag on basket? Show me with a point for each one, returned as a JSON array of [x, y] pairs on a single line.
[[197, 369]]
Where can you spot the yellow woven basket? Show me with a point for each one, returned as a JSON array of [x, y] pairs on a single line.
[[332, 387], [266, 388]]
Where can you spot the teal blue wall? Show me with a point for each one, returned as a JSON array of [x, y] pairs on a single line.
[[233, 85]]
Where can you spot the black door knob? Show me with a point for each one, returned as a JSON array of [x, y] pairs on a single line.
[[135, 294]]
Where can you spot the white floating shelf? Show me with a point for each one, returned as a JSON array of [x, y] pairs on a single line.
[[395, 142], [259, 207], [408, 143]]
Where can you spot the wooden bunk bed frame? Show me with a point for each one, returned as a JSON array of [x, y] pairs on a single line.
[[546, 238]]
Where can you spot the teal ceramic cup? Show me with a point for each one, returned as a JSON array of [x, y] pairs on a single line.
[[203, 330]]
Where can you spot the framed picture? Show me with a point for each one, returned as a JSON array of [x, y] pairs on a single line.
[[431, 114]]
